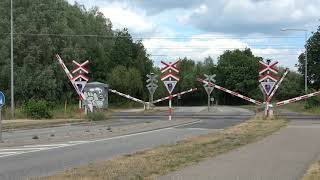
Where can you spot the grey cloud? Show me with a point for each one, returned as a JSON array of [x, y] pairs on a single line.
[[255, 16], [233, 16], [155, 6]]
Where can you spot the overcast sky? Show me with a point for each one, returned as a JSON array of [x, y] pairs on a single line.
[[199, 28]]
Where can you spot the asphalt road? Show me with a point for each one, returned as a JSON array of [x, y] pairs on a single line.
[[42, 160], [221, 117]]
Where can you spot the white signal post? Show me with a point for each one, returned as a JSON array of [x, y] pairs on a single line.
[[209, 89], [268, 81], [168, 82], [170, 98], [80, 80]]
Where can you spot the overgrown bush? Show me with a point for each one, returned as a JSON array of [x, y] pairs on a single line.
[[96, 116], [312, 102], [37, 109]]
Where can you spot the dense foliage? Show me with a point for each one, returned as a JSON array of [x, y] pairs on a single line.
[[313, 56], [43, 28], [313, 49], [37, 109]]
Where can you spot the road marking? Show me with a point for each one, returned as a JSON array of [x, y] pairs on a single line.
[[45, 145], [78, 142], [21, 149], [7, 153], [36, 148], [31, 148], [200, 129]]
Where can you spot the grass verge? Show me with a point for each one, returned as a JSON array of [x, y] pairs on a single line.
[[167, 158], [300, 107], [313, 173], [31, 124]]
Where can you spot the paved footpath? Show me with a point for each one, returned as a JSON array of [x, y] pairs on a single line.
[[285, 155]]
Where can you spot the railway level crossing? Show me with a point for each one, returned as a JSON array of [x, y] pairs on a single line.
[[267, 79], [269, 84]]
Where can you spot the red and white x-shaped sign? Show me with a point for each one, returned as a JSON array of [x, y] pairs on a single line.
[[268, 76], [170, 76], [80, 67], [170, 66], [267, 67]]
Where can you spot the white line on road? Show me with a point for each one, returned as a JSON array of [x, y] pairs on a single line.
[[7, 153], [204, 129], [44, 145], [22, 149]]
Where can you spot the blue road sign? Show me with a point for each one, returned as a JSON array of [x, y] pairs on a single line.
[[2, 99]]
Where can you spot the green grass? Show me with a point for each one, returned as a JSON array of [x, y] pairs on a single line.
[[313, 172], [299, 107], [58, 112], [167, 158]]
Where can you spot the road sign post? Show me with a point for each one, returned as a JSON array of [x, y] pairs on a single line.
[[268, 82], [81, 79], [78, 86], [2, 102], [209, 89], [152, 86], [212, 100], [170, 80]]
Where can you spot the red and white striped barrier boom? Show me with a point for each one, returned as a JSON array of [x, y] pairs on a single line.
[[175, 95], [231, 92], [298, 98], [277, 85], [127, 96], [66, 70]]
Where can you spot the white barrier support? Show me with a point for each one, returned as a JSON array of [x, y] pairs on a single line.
[[175, 95], [277, 85], [298, 98], [127, 96], [231, 92]]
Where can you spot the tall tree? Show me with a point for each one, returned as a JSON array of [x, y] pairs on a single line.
[[238, 71], [44, 28], [313, 52]]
